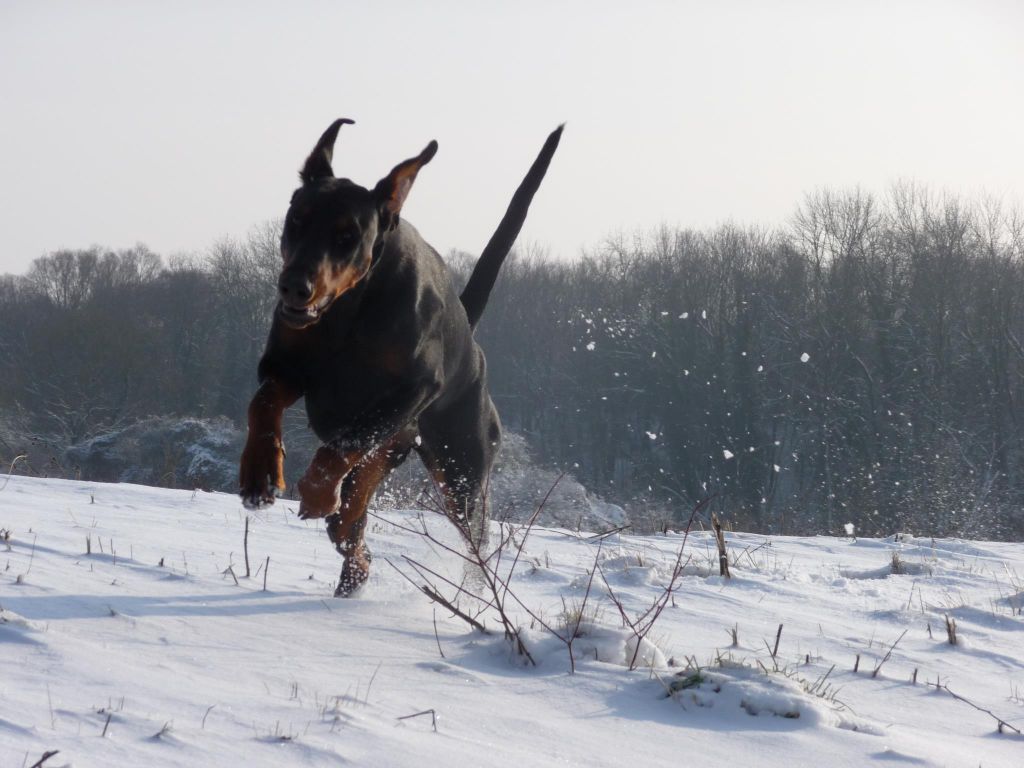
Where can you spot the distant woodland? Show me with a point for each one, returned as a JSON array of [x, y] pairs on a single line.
[[863, 363]]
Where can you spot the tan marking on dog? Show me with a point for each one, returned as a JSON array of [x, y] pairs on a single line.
[[333, 280], [263, 455], [358, 489], [319, 487]]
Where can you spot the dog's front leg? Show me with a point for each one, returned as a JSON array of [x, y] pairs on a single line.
[[261, 470], [397, 408], [319, 488]]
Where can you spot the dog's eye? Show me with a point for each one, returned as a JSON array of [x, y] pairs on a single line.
[[346, 236]]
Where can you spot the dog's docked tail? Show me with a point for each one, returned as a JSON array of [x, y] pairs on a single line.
[[485, 273]]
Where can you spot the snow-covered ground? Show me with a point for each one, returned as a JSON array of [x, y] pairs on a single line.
[[146, 652]]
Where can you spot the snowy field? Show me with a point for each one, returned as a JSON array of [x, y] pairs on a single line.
[[147, 653]]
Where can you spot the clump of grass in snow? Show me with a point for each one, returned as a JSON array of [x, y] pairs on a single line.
[[896, 565], [951, 630]]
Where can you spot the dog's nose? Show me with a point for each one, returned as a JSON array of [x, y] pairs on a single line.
[[295, 289]]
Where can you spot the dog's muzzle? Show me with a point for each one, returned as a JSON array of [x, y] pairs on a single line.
[[303, 316]]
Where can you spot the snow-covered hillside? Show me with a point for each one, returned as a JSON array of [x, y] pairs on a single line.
[[146, 651]]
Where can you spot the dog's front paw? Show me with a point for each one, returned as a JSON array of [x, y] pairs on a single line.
[[320, 487], [318, 495], [261, 471], [260, 499]]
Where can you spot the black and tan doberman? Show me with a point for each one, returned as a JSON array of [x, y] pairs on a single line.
[[371, 332]]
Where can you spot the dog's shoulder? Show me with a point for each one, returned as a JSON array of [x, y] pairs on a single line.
[[415, 273], [414, 255]]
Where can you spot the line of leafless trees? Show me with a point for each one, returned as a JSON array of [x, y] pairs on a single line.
[[863, 364]]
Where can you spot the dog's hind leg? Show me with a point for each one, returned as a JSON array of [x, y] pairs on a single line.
[[461, 480], [459, 454], [347, 527]]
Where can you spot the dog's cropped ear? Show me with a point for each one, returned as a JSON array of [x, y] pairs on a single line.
[[392, 190], [318, 164]]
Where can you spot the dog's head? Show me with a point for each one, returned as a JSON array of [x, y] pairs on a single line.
[[331, 229]]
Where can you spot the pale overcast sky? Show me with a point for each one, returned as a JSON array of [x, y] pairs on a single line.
[[177, 123]]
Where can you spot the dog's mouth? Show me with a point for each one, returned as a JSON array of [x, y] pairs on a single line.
[[304, 316]]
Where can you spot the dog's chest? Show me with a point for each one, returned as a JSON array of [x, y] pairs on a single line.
[[345, 385]]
